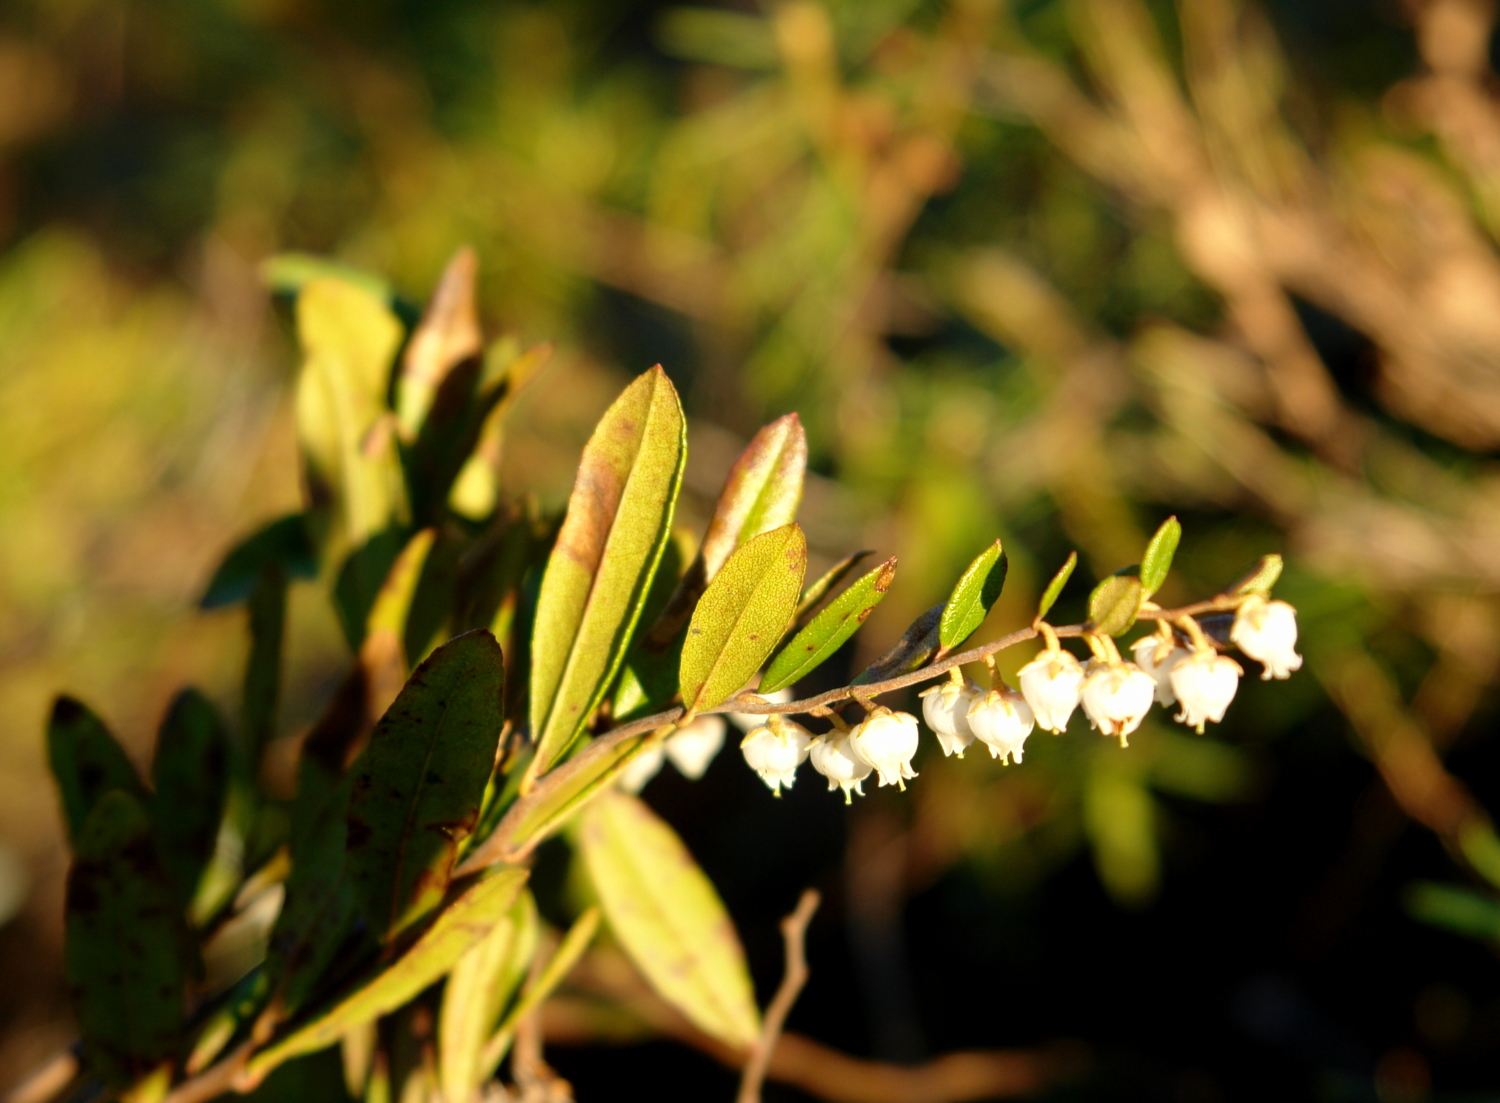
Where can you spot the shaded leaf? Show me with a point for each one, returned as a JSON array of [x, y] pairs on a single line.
[[1157, 561], [917, 644], [507, 370], [601, 567], [1055, 587], [86, 761], [284, 543], [977, 590], [478, 990], [558, 966], [1114, 604], [262, 685], [742, 616], [1260, 578], [829, 579], [1455, 908], [1120, 820], [361, 576], [190, 773], [447, 335], [666, 914], [812, 646], [418, 785], [457, 929], [124, 942]]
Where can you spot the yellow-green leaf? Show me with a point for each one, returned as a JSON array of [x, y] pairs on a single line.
[[1260, 578], [1055, 587], [828, 580], [1114, 604], [976, 591], [418, 786], [742, 616], [827, 631], [574, 943], [666, 914], [447, 335], [762, 491], [1157, 561], [457, 929], [601, 566]]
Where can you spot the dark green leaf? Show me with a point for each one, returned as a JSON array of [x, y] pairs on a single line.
[[972, 597], [418, 785], [458, 928], [665, 912], [124, 943], [1455, 908], [812, 646], [1055, 587], [601, 567], [360, 579], [1260, 578], [86, 762], [917, 644], [1157, 561], [1114, 604], [190, 773], [830, 578], [284, 543], [742, 616], [262, 685]]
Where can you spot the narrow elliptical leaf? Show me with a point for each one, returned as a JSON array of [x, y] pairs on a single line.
[[827, 631], [1114, 604], [1260, 578], [977, 590], [762, 491], [86, 762], [828, 580], [447, 335], [601, 566], [1055, 587], [1157, 561], [558, 966], [190, 772]]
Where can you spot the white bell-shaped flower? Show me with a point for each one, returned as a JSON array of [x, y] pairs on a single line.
[[946, 709], [1204, 683], [1145, 651], [641, 769], [832, 757], [1116, 697], [693, 746], [887, 740], [775, 750], [1267, 632], [1051, 683], [1001, 720]]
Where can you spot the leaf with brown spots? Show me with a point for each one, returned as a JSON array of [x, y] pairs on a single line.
[[87, 762], [123, 953], [190, 771], [418, 785], [742, 617], [601, 567], [826, 633]]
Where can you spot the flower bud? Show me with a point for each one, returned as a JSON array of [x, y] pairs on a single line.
[[887, 741], [832, 757], [1145, 650], [1267, 632], [1051, 683], [641, 769], [775, 750], [1001, 720], [1116, 697], [946, 709], [1204, 683], [693, 746]]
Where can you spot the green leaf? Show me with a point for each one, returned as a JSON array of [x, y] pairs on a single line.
[[1260, 578], [478, 990], [457, 929], [418, 785], [830, 578], [261, 696], [284, 543], [1055, 587], [648, 676], [123, 950], [1455, 908], [507, 371], [558, 966], [547, 807], [361, 575], [288, 273], [1119, 817], [917, 644], [762, 491], [601, 567], [349, 339], [1114, 604], [86, 762], [447, 335], [972, 598], [741, 617], [812, 646], [190, 773], [1157, 561], [666, 914]]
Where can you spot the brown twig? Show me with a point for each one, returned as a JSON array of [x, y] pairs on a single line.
[[794, 933]]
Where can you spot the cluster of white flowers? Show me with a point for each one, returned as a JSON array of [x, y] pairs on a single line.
[[1115, 695]]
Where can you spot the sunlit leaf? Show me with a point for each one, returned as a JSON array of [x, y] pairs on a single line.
[[666, 914], [969, 603], [601, 567], [123, 950], [1156, 563], [507, 371], [828, 580], [762, 491], [741, 616], [812, 646], [458, 928], [558, 966], [1114, 604], [86, 762], [1260, 578], [648, 676], [447, 335], [1055, 587], [190, 773], [418, 785]]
